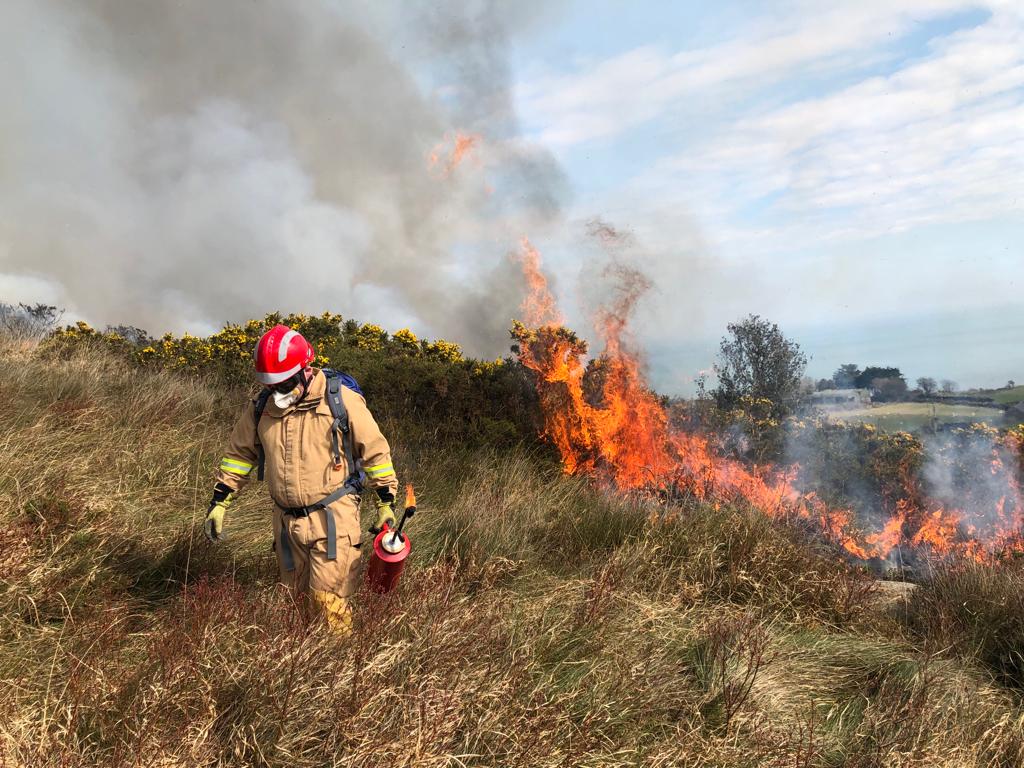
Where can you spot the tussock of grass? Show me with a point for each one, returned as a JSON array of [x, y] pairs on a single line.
[[978, 611], [541, 621]]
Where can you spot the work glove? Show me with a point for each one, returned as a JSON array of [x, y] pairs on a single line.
[[222, 498], [385, 511]]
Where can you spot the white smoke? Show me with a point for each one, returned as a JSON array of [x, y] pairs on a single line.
[[178, 165]]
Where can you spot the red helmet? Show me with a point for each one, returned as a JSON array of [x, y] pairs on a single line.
[[281, 353]]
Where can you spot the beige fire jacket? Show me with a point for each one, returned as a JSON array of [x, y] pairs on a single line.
[[299, 466]]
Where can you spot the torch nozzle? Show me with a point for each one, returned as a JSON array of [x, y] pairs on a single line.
[[409, 512]]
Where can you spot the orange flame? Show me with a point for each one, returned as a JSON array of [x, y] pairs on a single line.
[[463, 145], [619, 432], [887, 539], [938, 530], [539, 308], [410, 496]]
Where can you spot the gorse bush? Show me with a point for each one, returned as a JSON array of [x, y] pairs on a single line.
[[750, 430], [856, 464], [427, 385]]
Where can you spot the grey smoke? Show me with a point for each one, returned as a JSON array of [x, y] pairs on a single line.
[[175, 165], [959, 475], [807, 449]]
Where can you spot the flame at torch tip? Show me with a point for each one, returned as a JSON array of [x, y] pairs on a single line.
[[410, 496]]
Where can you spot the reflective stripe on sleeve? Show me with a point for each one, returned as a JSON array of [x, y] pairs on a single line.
[[379, 470], [235, 467]]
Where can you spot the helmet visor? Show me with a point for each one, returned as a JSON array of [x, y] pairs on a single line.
[[289, 384]]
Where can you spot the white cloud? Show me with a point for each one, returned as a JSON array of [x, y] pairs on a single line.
[[640, 85], [940, 139]]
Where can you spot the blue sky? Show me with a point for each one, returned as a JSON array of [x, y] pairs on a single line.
[[852, 171]]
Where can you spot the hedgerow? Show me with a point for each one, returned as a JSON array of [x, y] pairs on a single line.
[[429, 386]]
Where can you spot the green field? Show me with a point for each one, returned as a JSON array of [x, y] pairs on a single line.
[[913, 416], [1001, 396], [1008, 396]]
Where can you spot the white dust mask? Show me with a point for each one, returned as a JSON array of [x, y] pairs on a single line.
[[284, 399]]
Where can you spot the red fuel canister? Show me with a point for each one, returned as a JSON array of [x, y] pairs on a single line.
[[390, 550]]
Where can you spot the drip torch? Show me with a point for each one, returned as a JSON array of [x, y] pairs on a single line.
[[390, 550]]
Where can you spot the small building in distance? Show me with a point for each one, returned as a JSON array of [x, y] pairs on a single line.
[[837, 399]]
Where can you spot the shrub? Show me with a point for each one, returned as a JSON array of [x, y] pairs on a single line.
[[72, 339], [370, 337], [427, 386], [405, 341], [856, 465], [443, 350]]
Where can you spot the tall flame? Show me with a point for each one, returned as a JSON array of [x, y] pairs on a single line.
[[410, 496], [621, 434], [539, 307]]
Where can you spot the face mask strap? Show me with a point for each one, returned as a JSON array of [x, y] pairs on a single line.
[[304, 383]]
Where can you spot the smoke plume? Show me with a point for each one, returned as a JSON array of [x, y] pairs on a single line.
[[178, 165]]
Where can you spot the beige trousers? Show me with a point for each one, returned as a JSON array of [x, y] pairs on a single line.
[[324, 585]]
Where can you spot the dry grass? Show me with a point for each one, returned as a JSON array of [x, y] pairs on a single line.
[[542, 622], [979, 612]]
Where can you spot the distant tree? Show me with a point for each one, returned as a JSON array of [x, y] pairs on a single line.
[[949, 386], [872, 372], [926, 384], [890, 389], [824, 384], [755, 359], [846, 376], [1011, 384]]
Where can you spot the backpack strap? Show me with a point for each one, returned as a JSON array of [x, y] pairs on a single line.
[[352, 484], [335, 381], [260, 404]]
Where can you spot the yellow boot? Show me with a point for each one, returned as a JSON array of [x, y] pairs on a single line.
[[336, 610]]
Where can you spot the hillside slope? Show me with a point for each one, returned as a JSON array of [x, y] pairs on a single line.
[[542, 621]]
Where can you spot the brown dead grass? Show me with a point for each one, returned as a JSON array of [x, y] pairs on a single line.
[[541, 622]]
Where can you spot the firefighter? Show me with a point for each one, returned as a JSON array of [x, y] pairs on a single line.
[[311, 431]]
